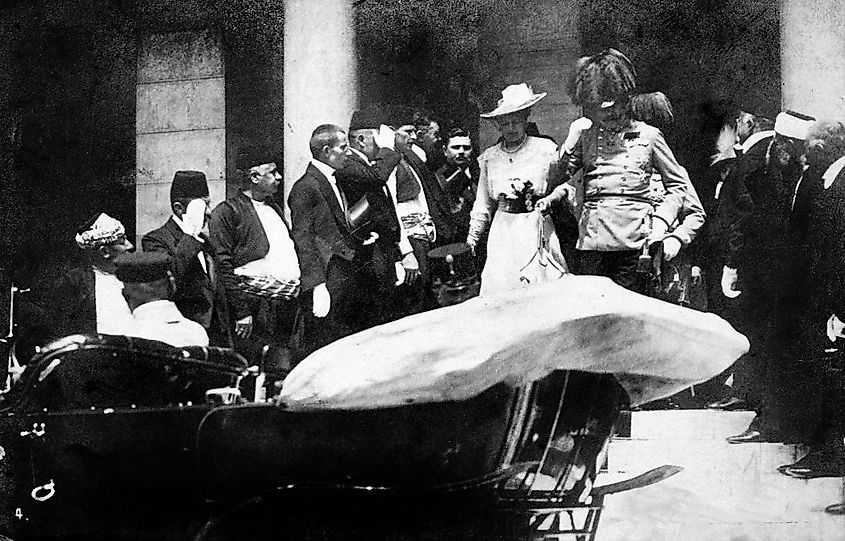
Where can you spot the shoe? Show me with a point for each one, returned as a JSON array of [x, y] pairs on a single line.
[[749, 436], [814, 465], [805, 472], [727, 404], [835, 509]]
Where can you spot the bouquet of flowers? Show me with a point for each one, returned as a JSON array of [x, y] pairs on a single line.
[[520, 197]]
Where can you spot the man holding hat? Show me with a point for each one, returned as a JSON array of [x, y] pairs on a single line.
[[767, 270], [366, 180], [184, 239], [147, 287], [88, 298], [257, 262]]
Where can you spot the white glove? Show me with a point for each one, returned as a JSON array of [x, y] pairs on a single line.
[[729, 278], [658, 231], [835, 328], [671, 247], [194, 217], [322, 301], [575, 130], [385, 137]]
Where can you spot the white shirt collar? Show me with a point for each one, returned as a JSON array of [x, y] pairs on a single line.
[[361, 155], [327, 170], [833, 171], [754, 138], [181, 224], [419, 152]]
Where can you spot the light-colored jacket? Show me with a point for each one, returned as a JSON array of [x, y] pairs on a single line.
[[617, 164], [162, 321]]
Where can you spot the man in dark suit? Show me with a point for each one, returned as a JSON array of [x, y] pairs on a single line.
[[769, 270], [336, 284], [364, 180], [458, 177], [199, 296]]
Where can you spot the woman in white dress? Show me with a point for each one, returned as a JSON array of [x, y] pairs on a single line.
[[514, 173]]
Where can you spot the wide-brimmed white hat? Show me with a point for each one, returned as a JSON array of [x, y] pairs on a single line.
[[515, 98]]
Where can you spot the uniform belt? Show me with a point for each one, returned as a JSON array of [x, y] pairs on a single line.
[[611, 195]]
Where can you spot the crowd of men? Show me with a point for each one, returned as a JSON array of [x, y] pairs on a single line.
[[372, 203], [376, 198]]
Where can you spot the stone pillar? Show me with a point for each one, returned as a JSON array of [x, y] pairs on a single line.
[[321, 79], [180, 119], [812, 49]]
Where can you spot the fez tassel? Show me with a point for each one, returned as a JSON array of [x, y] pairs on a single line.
[[582, 323]]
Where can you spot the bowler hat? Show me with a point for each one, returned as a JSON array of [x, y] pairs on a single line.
[[142, 267], [188, 185]]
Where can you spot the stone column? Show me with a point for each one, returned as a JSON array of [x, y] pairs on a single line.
[[812, 50], [321, 80], [180, 119]]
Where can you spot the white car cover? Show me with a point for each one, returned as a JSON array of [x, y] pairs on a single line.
[[583, 323]]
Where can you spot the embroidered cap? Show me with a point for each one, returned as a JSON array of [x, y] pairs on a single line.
[[100, 230]]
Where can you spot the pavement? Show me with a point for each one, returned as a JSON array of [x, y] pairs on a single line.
[[726, 492]]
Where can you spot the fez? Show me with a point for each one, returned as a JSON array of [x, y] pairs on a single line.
[[142, 267], [188, 185], [400, 115], [251, 156], [369, 118]]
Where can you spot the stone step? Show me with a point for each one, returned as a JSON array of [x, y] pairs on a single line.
[[725, 491]]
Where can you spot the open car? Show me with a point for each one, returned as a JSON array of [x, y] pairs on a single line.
[[113, 437]]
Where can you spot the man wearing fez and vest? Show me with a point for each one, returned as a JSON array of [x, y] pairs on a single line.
[[148, 286], [365, 181], [88, 298], [256, 260], [184, 239], [423, 208]]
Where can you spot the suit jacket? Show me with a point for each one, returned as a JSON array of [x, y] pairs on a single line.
[[237, 237], [320, 230], [360, 180], [200, 297], [438, 201]]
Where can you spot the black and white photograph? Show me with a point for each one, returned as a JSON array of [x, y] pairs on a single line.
[[422, 270]]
